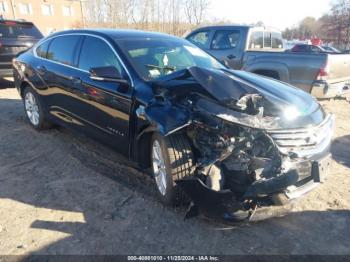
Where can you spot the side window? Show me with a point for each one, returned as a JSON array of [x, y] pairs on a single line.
[[256, 40], [41, 50], [97, 53], [276, 40], [62, 49], [304, 48], [200, 39], [227, 39]]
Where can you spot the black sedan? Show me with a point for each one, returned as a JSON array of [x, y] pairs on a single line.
[[226, 141]]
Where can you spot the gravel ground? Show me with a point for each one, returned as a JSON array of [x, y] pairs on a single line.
[[62, 193]]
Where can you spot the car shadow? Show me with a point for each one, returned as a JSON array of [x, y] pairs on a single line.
[[341, 150], [298, 233], [68, 194]]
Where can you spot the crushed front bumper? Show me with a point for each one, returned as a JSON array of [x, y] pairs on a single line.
[[318, 170], [304, 170]]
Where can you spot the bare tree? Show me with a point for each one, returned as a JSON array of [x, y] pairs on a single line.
[[195, 10], [170, 16]]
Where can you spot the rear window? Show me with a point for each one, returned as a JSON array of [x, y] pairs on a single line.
[[276, 40], [63, 49], [19, 31], [256, 40], [42, 49], [265, 40]]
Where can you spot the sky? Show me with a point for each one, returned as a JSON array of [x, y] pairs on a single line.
[[276, 13]]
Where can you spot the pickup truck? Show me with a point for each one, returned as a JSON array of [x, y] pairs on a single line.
[[260, 50]]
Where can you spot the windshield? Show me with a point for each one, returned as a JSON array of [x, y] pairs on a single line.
[[154, 58], [19, 30]]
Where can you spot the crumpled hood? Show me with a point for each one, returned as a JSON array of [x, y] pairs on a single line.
[[294, 107], [232, 84]]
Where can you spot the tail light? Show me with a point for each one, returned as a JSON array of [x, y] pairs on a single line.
[[10, 23], [324, 72]]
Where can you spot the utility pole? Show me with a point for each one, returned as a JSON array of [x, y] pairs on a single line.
[[82, 13], [13, 9]]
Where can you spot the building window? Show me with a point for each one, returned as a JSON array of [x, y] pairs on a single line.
[[68, 10], [25, 9], [3, 7], [47, 9]]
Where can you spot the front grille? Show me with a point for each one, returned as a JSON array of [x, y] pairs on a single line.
[[305, 142]]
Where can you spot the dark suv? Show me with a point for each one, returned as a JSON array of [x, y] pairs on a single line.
[[15, 36]]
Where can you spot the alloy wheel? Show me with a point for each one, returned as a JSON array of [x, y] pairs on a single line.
[[32, 108], [159, 169]]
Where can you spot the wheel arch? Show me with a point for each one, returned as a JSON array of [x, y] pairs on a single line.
[[142, 144], [277, 71], [22, 86], [269, 73]]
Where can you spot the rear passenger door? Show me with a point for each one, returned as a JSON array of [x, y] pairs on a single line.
[[57, 69], [225, 46], [105, 105]]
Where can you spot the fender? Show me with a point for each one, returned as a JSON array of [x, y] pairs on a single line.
[[163, 118], [280, 68]]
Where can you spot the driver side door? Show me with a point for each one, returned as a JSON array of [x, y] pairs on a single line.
[[104, 105]]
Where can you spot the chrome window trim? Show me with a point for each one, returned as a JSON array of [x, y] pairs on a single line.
[[77, 68]]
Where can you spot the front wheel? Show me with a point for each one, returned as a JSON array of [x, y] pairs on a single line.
[[171, 159]]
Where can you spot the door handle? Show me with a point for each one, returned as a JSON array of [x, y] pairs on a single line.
[[41, 69], [231, 56], [75, 80]]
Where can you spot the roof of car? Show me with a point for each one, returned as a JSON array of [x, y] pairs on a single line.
[[121, 33], [234, 26], [215, 27], [17, 21]]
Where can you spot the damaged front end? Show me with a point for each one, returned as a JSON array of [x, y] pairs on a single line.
[[248, 150]]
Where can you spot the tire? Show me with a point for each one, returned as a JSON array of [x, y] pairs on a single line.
[[178, 164], [34, 110]]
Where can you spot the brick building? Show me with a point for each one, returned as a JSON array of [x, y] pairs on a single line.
[[48, 15]]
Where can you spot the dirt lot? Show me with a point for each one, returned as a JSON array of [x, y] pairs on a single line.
[[62, 193]]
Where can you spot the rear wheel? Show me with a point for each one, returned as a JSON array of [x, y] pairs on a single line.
[[171, 159], [34, 110]]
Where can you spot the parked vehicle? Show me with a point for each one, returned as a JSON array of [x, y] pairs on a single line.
[[304, 48], [260, 50], [331, 49], [15, 36], [233, 141]]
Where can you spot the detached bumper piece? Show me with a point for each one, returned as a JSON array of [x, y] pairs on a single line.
[[223, 204], [215, 204]]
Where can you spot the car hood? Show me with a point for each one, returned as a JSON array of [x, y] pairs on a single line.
[[290, 106]]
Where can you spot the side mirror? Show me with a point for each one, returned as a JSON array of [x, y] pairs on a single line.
[[106, 73]]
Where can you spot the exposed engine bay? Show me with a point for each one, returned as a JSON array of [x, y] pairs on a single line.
[[246, 147]]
